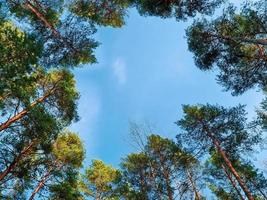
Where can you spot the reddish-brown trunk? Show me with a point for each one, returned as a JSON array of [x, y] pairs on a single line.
[[48, 25], [260, 43], [21, 114], [168, 185], [41, 183], [232, 182], [230, 166], [43, 180], [166, 175], [41, 17], [16, 160], [153, 180], [3, 97], [192, 182]]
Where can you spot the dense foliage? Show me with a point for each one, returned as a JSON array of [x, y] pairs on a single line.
[[235, 43], [41, 41]]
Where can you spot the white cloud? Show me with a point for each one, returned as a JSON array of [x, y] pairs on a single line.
[[119, 70]]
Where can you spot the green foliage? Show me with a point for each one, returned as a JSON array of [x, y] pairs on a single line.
[[40, 39], [235, 44], [221, 186], [68, 189], [73, 47], [68, 149], [59, 168], [201, 123], [262, 112], [65, 95], [181, 10], [27, 164], [66, 29], [41, 125], [50, 10], [100, 181], [67, 41], [155, 172], [221, 194], [255, 179], [19, 58], [136, 171], [212, 128], [36, 102], [103, 12], [217, 179]]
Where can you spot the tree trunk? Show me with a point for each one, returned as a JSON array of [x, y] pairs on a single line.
[[166, 176], [143, 185], [197, 195], [169, 190], [232, 182], [260, 43], [24, 112], [16, 160], [41, 183], [31, 7], [230, 166], [43, 180], [153, 181], [48, 25]]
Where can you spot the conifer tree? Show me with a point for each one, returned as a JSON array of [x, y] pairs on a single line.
[[64, 29], [34, 122], [225, 130], [181, 10], [100, 181], [68, 188], [234, 43], [162, 170], [67, 152], [102, 12]]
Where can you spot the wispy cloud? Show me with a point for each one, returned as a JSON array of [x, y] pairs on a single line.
[[119, 70]]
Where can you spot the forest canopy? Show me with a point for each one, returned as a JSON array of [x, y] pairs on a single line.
[[43, 42]]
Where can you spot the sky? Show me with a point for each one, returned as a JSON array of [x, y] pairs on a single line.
[[144, 73]]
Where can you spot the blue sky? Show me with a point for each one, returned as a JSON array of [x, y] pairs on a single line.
[[144, 72]]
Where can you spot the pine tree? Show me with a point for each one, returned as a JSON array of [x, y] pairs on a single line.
[[33, 123], [102, 12], [68, 188], [161, 171], [225, 130], [100, 181], [235, 44], [67, 152], [63, 28], [181, 10]]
